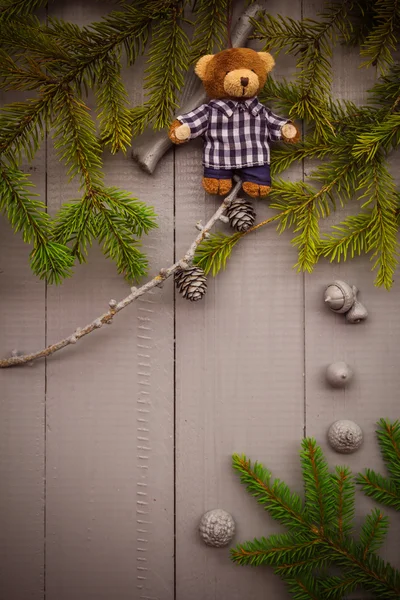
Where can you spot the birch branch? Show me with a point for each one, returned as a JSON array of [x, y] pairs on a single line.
[[116, 307], [151, 146]]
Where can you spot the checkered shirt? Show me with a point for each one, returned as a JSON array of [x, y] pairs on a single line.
[[236, 133]]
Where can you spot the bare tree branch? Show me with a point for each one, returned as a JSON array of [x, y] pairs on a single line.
[[116, 307]]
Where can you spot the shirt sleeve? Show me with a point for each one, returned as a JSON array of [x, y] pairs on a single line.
[[275, 125], [197, 120]]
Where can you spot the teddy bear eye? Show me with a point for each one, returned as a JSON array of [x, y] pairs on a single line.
[[253, 70], [227, 72]]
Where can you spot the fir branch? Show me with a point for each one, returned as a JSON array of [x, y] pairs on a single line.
[[312, 42], [297, 556], [117, 243], [343, 494], [210, 33], [382, 40], [382, 232], [386, 92], [373, 532], [14, 9], [383, 136], [348, 239], [167, 62], [318, 488], [305, 587], [76, 140], [49, 259], [388, 434], [283, 506], [213, 252], [337, 588], [379, 488], [112, 102]]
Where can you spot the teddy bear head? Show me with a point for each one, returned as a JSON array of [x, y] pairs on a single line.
[[234, 73]]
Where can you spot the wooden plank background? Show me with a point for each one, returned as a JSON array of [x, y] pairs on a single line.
[[113, 449]]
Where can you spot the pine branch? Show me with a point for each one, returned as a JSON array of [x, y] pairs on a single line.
[[14, 9], [382, 40], [168, 60], [343, 497], [26, 214], [112, 102], [305, 587], [293, 556], [318, 488], [386, 92], [210, 33], [76, 140], [213, 252], [349, 239], [379, 488], [382, 233], [275, 497], [373, 532], [312, 42], [384, 136], [388, 434]]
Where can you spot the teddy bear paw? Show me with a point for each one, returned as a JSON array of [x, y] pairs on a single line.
[[217, 186], [255, 190]]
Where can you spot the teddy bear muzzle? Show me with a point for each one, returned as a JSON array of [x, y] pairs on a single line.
[[241, 83]]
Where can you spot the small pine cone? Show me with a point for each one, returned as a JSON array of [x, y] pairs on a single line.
[[241, 214], [191, 283]]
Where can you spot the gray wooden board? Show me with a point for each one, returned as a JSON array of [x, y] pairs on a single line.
[[370, 348], [22, 398], [110, 483], [239, 379], [249, 363]]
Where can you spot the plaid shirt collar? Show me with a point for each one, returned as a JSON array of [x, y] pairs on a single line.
[[228, 107]]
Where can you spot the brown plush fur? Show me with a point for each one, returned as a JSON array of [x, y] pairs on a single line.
[[172, 135], [255, 190], [217, 186], [220, 72]]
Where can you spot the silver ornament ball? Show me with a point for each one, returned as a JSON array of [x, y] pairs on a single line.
[[345, 436], [217, 528], [339, 374]]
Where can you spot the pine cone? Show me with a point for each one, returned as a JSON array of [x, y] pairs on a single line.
[[241, 214], [191, 283]]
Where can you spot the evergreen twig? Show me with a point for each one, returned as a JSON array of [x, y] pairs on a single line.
[[320, 532]]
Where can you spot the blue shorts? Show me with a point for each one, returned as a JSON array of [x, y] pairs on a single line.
[[259, 174]]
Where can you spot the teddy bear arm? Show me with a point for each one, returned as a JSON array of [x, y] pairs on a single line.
[[174, 135], [291, 139]]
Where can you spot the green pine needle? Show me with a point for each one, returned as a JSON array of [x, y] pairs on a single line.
[[382, 40], [210, 33], [213, 252], [385, 490]]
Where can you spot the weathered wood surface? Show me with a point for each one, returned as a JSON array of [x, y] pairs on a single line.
[[112, 450]]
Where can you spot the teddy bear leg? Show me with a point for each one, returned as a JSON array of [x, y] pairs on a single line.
[[217, 186], [256, 180], [255, 190]]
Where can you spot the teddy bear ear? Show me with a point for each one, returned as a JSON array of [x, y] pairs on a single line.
[[202, 64], [267, 59]]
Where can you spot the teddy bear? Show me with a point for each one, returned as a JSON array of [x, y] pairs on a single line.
[[235, 126]]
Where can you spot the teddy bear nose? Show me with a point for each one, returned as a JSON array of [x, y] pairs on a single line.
[[244, 81]]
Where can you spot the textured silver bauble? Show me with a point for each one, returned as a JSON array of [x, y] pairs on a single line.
[[339, 374], [345, 436], [217, 528]]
